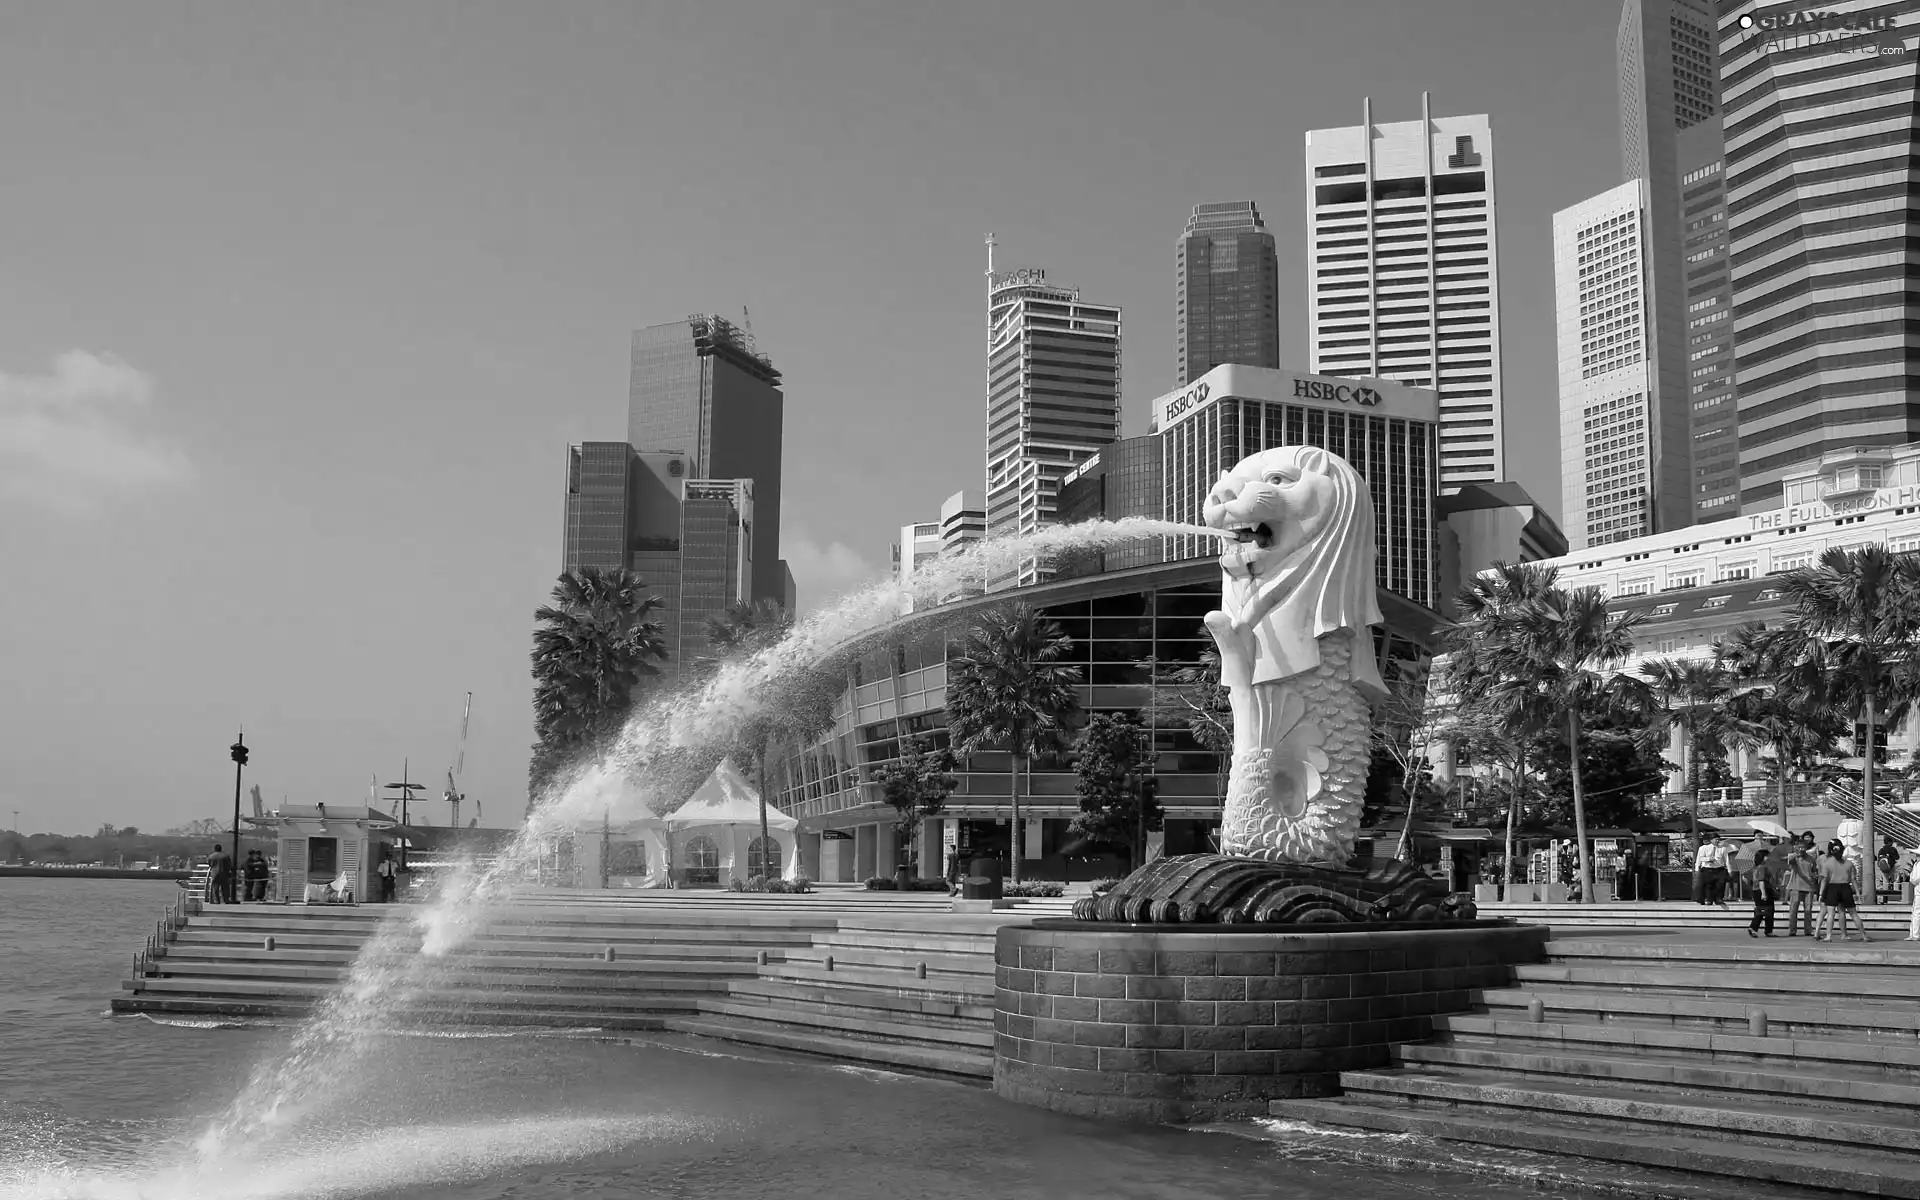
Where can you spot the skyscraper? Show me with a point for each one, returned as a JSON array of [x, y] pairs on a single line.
[[1617, 478], [1714, 415], [1227, 287], [1668, 83], [716, 559], [700, 386], [1053, 397], [599, 506], [1820, 182], [1405, 272]]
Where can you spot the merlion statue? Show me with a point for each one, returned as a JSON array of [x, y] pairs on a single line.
[[1297, 600], [1296, 653]]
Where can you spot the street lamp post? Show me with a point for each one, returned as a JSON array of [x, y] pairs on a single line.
[[238, 752]]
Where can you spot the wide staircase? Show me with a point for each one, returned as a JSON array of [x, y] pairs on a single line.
[[1884, 922], [1787, 1065], [889, 981]]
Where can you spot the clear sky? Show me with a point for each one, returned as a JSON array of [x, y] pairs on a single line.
[[300, 306]]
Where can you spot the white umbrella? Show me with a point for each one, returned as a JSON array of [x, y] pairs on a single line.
[[1770, 828]]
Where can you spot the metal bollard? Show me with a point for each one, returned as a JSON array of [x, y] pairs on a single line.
[[760, 958], [829, 962], [267, 942], [1757, 1023], [920, 971], [608, 954], [1536, 1010]]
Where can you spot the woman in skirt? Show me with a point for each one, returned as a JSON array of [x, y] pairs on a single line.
[[1838, 880]]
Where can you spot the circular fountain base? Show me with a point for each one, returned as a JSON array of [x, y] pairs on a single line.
[[1189, 1023]]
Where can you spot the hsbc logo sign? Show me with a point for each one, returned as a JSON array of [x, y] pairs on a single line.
[[1340, 393], [1184, 401]]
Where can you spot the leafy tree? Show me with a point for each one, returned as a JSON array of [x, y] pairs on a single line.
[[1119, 794], [802, 706], [1692, 695], [1545, 650], [1848, 640], [1191, 697], [917, 784], [593, 646], [1007, 687], [1496, 724], [1621, 766]]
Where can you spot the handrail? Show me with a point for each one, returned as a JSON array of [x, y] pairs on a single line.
[[1902, 826]]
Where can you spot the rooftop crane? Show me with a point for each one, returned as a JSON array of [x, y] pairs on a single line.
[[453, 794]]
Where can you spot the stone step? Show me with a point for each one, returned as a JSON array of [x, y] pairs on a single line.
[[1672, 915], [424, 1017], [1831, 1086], [589, 972], [1892, 985], [968, 987], [1859, 1171], [847, 1021], [1884, 1057], [504, 953], [1847, 1019], [862, 999], [974, 1064], [1741, 1117], [955, 944], [1777, 951], [892, 960], [671, 994]]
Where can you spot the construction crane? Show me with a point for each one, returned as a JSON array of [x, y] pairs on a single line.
[[453, 795], [746, 327]]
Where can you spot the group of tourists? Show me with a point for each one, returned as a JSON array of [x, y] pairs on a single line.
[[223, 878], [1821, 890]]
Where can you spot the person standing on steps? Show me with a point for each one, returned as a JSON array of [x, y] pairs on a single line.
[[1764, 881], [1913, 877], [1713, 869], [1800, 872], [385, 873], [1839, 877], [219, 876]]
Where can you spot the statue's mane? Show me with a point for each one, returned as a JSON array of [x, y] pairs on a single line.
[[1325, 586]]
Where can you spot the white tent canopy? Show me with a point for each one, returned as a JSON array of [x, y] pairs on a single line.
[[726, 798], [711, 836]]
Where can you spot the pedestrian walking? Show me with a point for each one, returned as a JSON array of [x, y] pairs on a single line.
[[1764, 882], [1800, 871]]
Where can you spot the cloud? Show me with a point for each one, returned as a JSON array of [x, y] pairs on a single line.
[[71, 438], [822, 572]]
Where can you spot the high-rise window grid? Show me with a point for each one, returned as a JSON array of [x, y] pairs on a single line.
[[1404, 272]]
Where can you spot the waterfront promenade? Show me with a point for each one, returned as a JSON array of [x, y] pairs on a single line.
[[1675, 1044]]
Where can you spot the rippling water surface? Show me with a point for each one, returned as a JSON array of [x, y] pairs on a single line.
[[94, 1107]]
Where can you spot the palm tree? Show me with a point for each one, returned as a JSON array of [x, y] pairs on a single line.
[[1855, 616], [1774, 706], [1538, 649], [1488, 718], [594, 644], [1692, 694], [1008, 687]]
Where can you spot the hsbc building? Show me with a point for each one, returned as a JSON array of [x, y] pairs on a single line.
[[1389, 431]]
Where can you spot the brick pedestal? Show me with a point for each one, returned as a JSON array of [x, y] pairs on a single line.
[[1158, 1026]]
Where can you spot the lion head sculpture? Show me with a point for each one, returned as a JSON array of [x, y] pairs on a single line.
[[1303, 563]]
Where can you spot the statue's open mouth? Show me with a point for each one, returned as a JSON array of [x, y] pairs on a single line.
[[1260, 535]]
